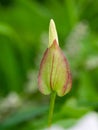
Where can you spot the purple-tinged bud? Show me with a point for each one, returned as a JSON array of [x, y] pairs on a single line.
[[54, 73]]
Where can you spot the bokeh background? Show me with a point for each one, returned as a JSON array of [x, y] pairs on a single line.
[[24, 38]]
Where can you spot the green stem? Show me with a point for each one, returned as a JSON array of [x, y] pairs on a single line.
[[52, 102], [72, 12]]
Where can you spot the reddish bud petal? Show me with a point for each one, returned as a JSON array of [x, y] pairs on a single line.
[[54, 74]]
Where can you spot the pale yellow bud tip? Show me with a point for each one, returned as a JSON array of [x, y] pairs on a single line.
[[52, 33]]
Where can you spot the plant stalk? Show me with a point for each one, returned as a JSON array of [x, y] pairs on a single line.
[[51, 109]]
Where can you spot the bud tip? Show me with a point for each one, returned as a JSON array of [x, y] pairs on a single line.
[[52, 33]]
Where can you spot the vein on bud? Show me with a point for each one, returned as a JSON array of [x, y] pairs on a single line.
[[52, 33]]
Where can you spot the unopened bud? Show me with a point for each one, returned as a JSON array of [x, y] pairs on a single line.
[[54, 73]]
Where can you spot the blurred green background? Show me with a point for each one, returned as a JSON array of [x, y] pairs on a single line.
[[24, 38]]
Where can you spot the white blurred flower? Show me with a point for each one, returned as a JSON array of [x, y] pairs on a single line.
[[11, 101], [44, 39], [55, 127], [88, 122], [43, 42], [73, 43], [31, 85], [92, 62]]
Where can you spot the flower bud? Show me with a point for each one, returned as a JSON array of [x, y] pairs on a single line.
[[54, 73]]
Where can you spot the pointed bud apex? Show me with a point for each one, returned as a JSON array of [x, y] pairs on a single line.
[[54, 73], [52, 33]]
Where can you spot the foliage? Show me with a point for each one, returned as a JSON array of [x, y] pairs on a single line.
[[23, 39]]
